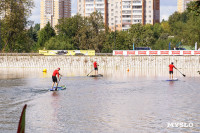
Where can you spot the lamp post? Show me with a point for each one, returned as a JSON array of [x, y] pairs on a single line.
[[115, 32], [0, 33], [115, 23]]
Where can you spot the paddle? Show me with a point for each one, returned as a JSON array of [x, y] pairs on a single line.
[[59, 79], [181, 73], [90, 72]]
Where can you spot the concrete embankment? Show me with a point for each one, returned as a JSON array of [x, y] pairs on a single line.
[[183, 62]]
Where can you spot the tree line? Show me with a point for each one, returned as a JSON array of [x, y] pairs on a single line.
[[84, 33]]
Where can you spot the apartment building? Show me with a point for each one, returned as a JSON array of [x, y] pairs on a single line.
[[120, 14], [53, 10], [86, 7], [182, 5]]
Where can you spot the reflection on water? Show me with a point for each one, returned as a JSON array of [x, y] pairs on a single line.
[[121, 101]]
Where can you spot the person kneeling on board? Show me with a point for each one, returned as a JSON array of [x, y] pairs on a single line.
[[54, 78], [171, 66], [95, 68]]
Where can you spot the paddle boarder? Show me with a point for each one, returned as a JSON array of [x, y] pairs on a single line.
[[54, 78], [171, 66], [95, 67]]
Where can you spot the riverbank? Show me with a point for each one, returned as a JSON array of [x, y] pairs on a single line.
[[157, 62]]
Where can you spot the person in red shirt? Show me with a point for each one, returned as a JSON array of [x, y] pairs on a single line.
[[95, 67], [54, 78], [171, 66]]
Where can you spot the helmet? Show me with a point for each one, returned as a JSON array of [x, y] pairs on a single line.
[[58, 68]]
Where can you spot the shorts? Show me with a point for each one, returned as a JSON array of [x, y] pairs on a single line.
[[170, 72], [96, 68], [54, 79]]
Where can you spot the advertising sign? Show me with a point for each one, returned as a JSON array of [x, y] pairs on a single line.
[[67, 52], [156, 52]]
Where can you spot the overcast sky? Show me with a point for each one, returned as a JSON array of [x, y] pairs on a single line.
[[167, 7]]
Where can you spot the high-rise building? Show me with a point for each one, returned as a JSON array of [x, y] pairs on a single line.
[[53, 10], [86, 7], [182, 5], [120, 14]]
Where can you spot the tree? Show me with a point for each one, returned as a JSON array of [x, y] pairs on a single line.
[[83, 32], [186, 26], [165, 27], [123, 40], [194, 7], [108, 46], [33, 32], [136, 32], [142, 35], [68, 29], [14, 22], [45, 34], [97, 30], [56, 44]]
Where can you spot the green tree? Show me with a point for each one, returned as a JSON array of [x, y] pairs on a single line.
[[14, 23], [123, 40], [142, 35], [45, 34], [108, 46], [165, 26], [194, 7], [68, 29], [33, 32], [185, 26], [56, 44], [92, 33], [136, 32], [83, 32]]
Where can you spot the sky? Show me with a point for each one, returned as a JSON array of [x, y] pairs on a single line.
[[167, 7]]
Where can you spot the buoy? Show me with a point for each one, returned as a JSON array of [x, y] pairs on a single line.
[[44, 70]]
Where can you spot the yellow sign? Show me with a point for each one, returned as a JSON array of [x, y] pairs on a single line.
[[67, 52]]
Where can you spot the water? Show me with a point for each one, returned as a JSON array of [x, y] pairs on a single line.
[[138, 101]]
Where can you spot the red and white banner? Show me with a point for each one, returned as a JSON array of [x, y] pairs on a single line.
[[156, 52]]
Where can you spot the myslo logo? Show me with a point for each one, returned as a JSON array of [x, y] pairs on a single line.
[[179, 124]]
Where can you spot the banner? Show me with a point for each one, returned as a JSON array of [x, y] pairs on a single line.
[[156, 52], [67, 52]]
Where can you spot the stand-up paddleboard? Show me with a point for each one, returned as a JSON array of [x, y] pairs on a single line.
[[99, 75], [174, 79], [59, 88]]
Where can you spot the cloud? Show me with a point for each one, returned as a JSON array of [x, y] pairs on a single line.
[[166, 11], [74, 6], [168, 2], [36, 12]]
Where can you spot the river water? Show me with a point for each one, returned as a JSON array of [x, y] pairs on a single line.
[[135, 101]]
